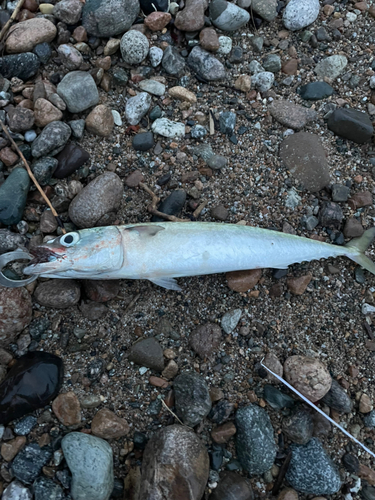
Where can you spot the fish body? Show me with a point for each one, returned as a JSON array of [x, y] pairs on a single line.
[[162, 251]]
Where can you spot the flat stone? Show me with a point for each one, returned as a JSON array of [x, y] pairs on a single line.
[[223, 433], [314, 91], [331, 67], [79, 91], [136, 107], [29, 462], [155, 55], [59, 294], [232, 484], [90, 460], [52, 140], [100, 121], [168, 128], [230, 320], [182, 94], [351, 124], [22, 66], [147, 352], [67, 409], [337, 399], [300, 13], [263, 81], [205, 340], [206, 65], [108, 425], [308, 375], [13, 195], [23, 37], [192, 398], [291, 115], [304, 155], [106, 18]]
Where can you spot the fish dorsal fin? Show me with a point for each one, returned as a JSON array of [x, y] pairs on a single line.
[[146, 230], [168, 283]]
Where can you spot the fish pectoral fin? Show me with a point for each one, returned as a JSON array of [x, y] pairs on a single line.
[[146, 230], [168, 283]]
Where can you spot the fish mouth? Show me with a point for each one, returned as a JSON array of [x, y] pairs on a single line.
[[42, 255]]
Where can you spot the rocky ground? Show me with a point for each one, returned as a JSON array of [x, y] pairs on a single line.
[[264, 112]]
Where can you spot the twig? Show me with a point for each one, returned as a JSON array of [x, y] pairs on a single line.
[[33, 177], [155, 200], [281, 475], [11, 19], [367, 327], [132, 303], [198, 210], [170, 411]]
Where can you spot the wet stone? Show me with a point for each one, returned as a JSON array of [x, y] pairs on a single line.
[[47, 489], [147, 352], [314, 91], [43, 169], [71, 158], [24, 426], [351, 124], [232, 485], [299, 426], [13, 195], [205, 340], [277, 399], [172, 205], [192, 398], [22, 66], [29, 462], [59, 294], [337, 399]]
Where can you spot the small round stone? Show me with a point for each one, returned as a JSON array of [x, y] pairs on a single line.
[[134, 47]]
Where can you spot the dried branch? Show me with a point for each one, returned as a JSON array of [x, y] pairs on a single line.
[[155, 200], [11, 19]]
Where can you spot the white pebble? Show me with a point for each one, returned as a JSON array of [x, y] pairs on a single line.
[[372, 82], [225, 45], [143, 370], [116, 118], [368, 309], [350, 16], [30, 135]]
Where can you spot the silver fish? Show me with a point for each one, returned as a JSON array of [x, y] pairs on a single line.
[[162, 251]]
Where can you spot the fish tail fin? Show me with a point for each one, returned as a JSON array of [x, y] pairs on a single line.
[[361, 244]]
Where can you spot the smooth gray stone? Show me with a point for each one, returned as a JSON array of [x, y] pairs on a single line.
[[79, 91], [106, 18], [13, 195], [52, 140]]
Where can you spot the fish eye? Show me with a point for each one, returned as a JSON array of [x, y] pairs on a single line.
[[70, 239]]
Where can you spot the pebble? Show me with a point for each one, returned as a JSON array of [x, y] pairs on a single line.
[[52, 140], [13, 196], [291, 115], [272, 63], [337, 399], [100, 121], [100, 197], [152, 87], [299, 426], [369, 419], [59, 294], [11, 448], [24, 426], [168, 128], [90, 461], [308, 375], [43, 169], [134, 47], [217, 162], [255, 444], [255, 67], [243, 83], [155, 55], [331, 67], [205, 340], [173, 63], [149, 6], [227, 122], [23, 37], [243, 281], [365, 404], [330, 215], [45, 112], [192, 398], [107, 18], [20, 119], [263, 80], [227, 16], [289, 494], [191, 18], [68, 11], [78, 127], [205, 65], [340, 193], [22, 66], [29, 462], [67, 409], [315, 91], [351, 124], [16, 491], [179, 451], [230, 320], [182, 94], [107, 425], [223, 433], [30, 135], [46, 489], [71, 158], [225, 45], [156, 21], [70, 57], [43, 51], [303, 154], [101, 290], [300, 13], [232, 484], [79, 91], [147, 352], [136, 107], [209, 40], [297, 286], [351, 463], [172, 205], [267, 9], [143, 141], [312, 471], [273, 363]]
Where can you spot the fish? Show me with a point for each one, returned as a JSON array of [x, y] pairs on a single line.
[[163, 251]]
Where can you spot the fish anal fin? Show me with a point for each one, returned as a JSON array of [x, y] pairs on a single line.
[[146, 230], [168, 283]]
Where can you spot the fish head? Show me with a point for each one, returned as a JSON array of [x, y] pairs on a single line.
[[85, 253]]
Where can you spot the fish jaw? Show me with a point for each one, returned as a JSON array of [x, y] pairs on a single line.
[[93, 252]]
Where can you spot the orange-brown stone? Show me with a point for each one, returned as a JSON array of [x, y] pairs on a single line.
[[242, 281]]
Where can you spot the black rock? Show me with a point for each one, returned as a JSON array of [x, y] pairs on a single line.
[[172, 62], [227, 121], [216, 456], [277, 399], [147, 352], [23, 66], [369, 419], [37, 327], [95, 369], [351, 463], [232, 487], [299, 426], [330, 215], [29, 462], [143, 141], [337, 399], [147, 6], [340, 192], [221, 411], [32, 382], [172, 205], [236, 55], [43, 169], [43, 51], [312, 471], [140, 440], [351, 124], [24, 427], [192, 398], [46, 489], [70, 159], [13, 195], [315, 91], [279, 273]]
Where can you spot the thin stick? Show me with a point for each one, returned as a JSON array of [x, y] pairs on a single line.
[[132, 303], [170, 411], [11, 19], [33, 177], [317, 409], [155, 200], [198, 210]]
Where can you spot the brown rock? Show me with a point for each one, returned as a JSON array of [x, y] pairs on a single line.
[[365, 404], [216, 394], [272, 362], [24, 15], [48, 223], [20, 119], [362, 6], [67, 409], [31, 5], [191, 18], [57, 293], [10, 449], [243, 83], [112, 46], [209, 40], [182, 94], [361, 199], [232, 486], [178, 452], [297, 286], [291, 115], [107, 425], [171, 370], [5, 357], [156, 21], [15, 313], [223, 433], [288, 494], [8, 157], [104, 62], [45, 112], [101, 290], [219, 212], [328, 10], [367, 474], [106, 82], [158, 382], [27, 104], [353, 228], [242, 281], [308, 375], [205, 340], [100, 121], [80, 34], [134, 179], [371, 10], [276, 290], [290, 67], [23, 37]]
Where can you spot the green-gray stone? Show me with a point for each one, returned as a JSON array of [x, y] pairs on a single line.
[[13, 194], [43, 169], [266, 9], [314, 91]]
